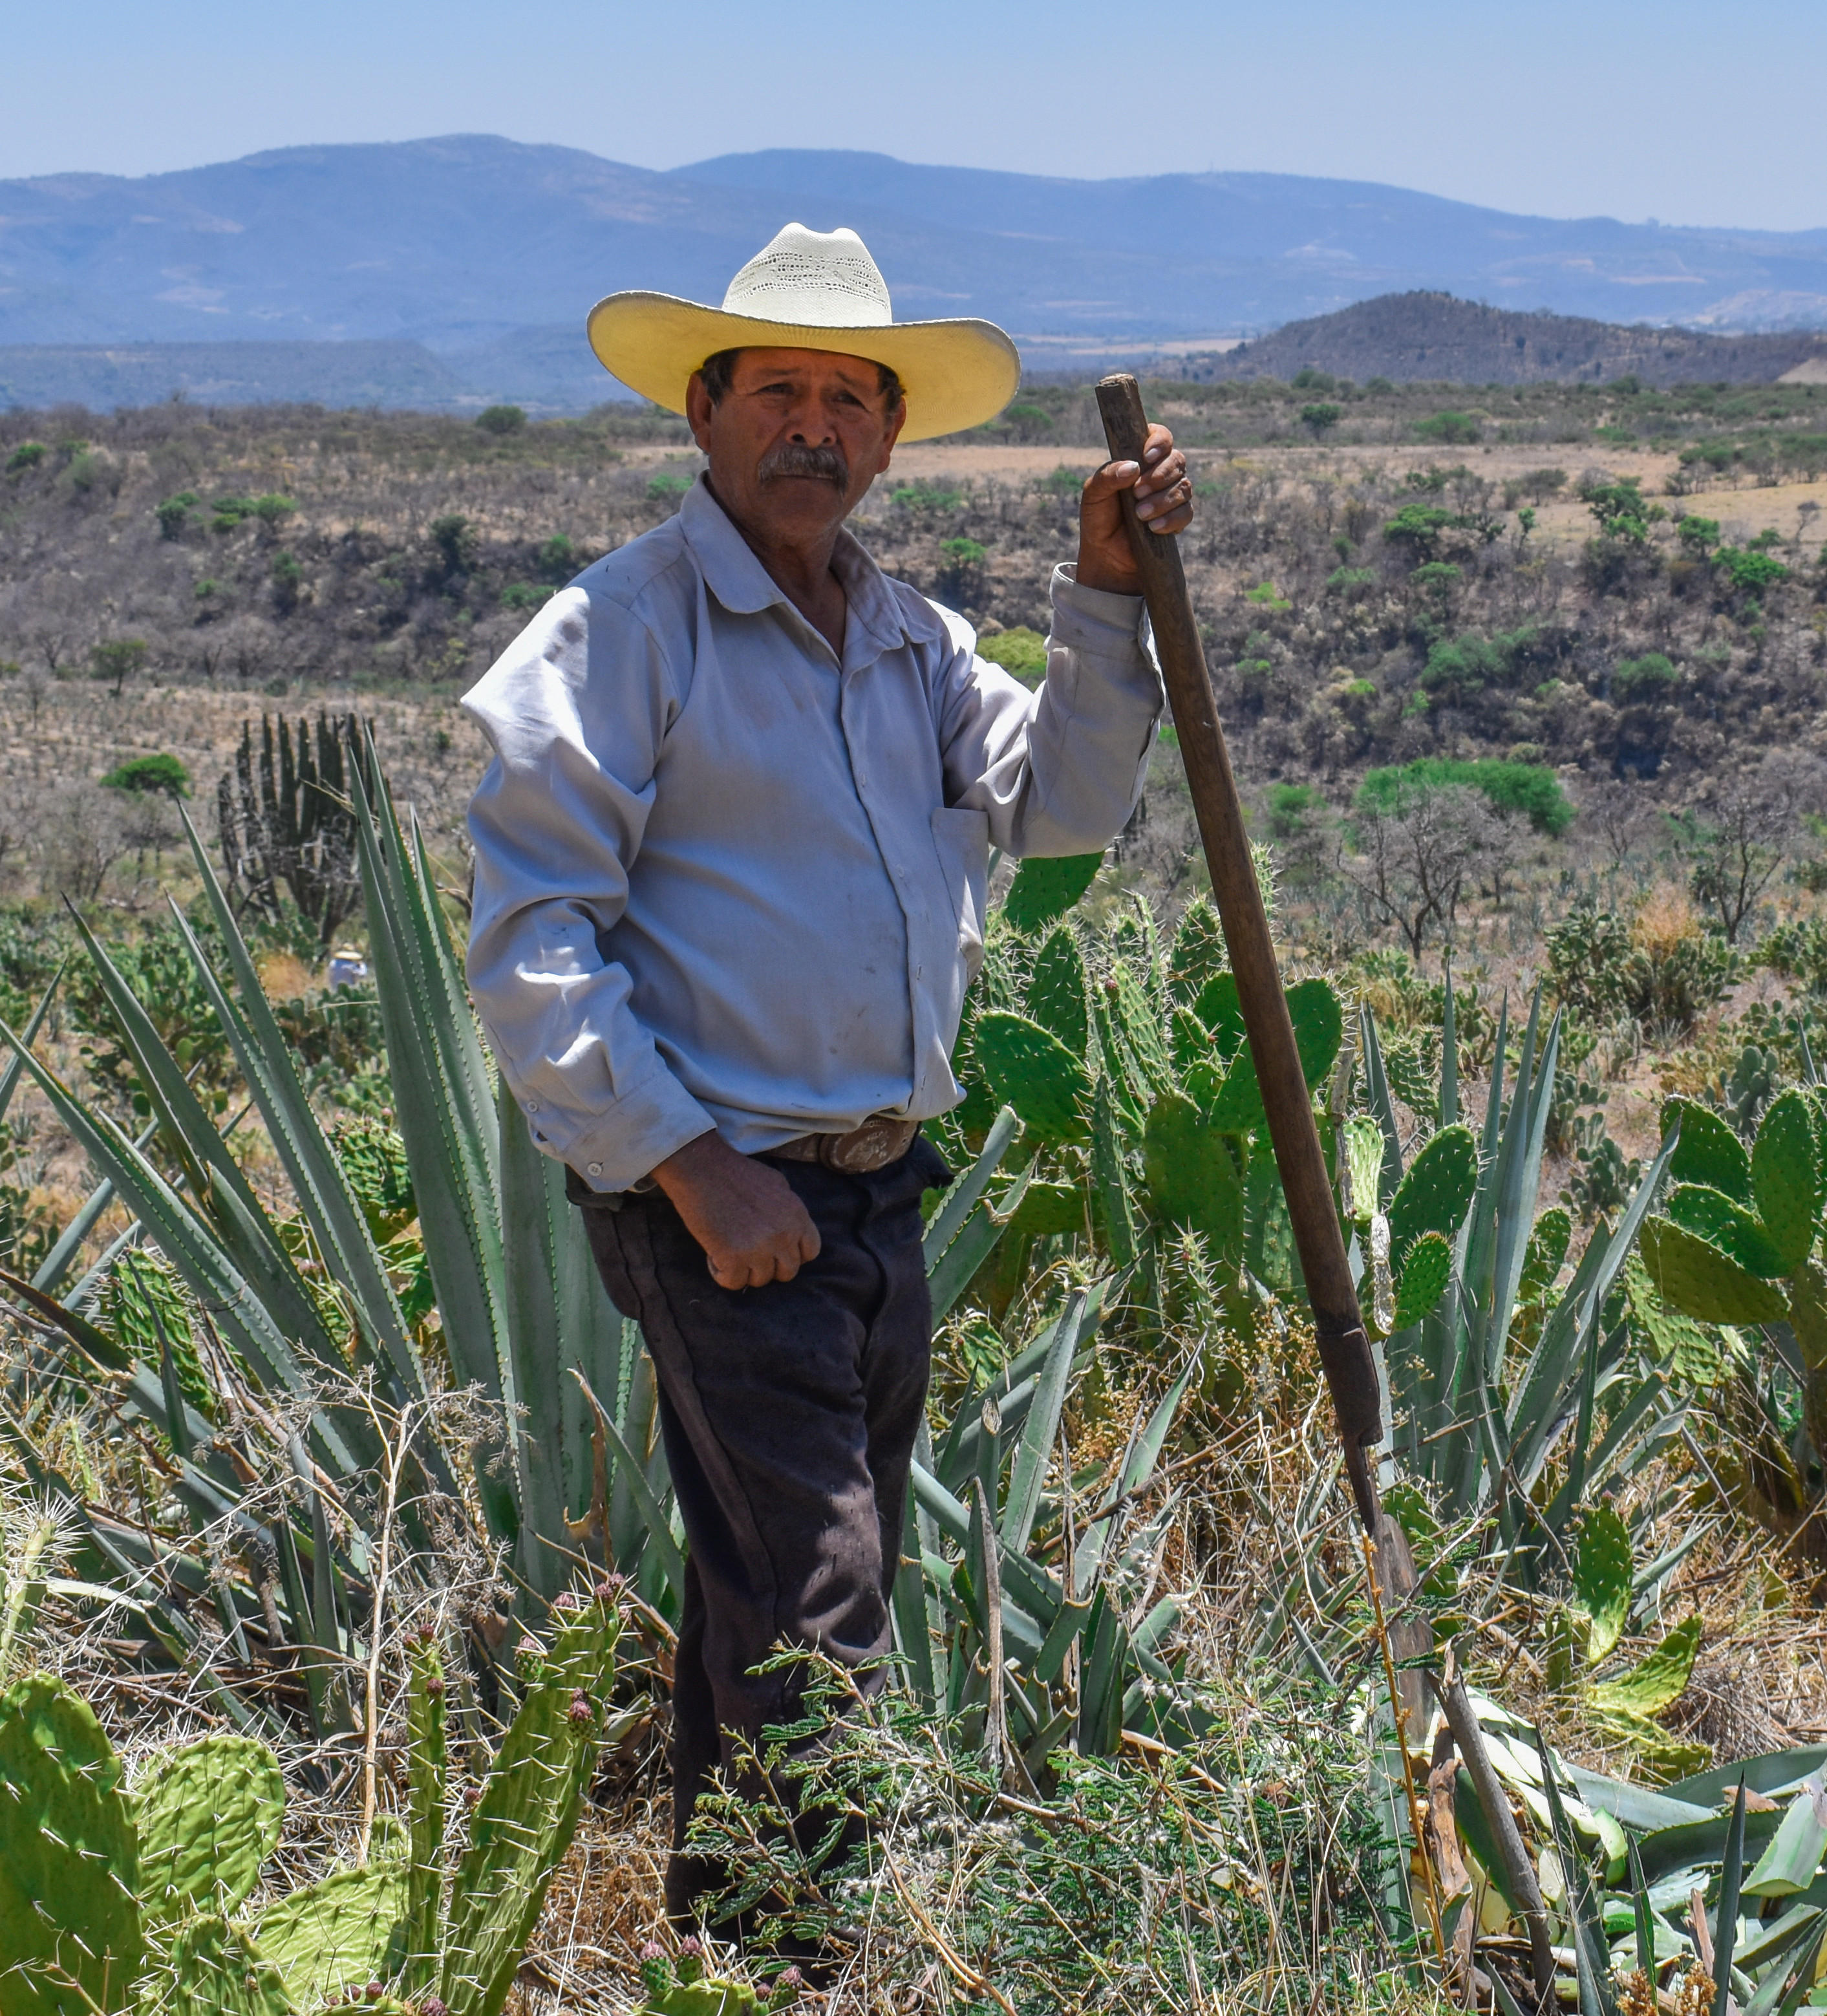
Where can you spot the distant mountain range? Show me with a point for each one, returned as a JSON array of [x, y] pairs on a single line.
[[474, 259], [1429, 335]]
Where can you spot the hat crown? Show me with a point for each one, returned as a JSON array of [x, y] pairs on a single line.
[[816, 280]]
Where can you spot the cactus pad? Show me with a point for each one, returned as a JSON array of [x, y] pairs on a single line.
[[1708, 1151], [216, 1970], [1056, 997], [1045, 890], [1602, 1570], [1786, 1177], [1657, 1680], [1692, 1275], [1364, 1154], [1192, 1179], [1028, 1068], [68, 1860], [1217, 1007], [1426, 1272], [1546, 1249], [1319, 1027], [527, 1816], [1236, 1108], [1047, 1208], [209, 1816], [1197, 953], [342, 1932], [1737, 1232], [428, 1749], [1437, 1193]]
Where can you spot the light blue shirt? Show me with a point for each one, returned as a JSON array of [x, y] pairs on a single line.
[[725, 878]]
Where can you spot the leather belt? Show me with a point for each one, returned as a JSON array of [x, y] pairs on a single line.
[[878, 1142]]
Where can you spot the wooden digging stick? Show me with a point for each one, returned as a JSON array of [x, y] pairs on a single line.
[[1344, 1348], [1344, 1345]]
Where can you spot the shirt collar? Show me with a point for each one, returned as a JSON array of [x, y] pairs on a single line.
[[731, 572]]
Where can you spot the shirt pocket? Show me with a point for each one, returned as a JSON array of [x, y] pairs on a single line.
[[961, 836]]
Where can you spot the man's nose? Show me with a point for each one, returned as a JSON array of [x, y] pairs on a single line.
[[810, 423]]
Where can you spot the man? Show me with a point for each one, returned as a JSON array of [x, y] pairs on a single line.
[[730, 889]]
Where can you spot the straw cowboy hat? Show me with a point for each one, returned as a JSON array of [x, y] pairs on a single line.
[[811, 290]]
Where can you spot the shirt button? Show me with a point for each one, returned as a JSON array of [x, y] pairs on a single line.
[[532, 1106], [593, 1169]]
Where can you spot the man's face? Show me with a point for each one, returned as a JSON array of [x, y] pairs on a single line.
[[796, 441]]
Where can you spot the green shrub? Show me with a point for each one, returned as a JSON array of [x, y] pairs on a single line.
[[1353, 582], [1418, 525], [668, 488], [118, 659], [1454, 427], [174, 512], [1292, 808], [1649, 677], [925, 495], [1021, 651], [1321, 416], [288, 580], [525, 594], [1697, 535], [162, 774], [1748, 571], [1528, 788], [502, 420], [558, 559], [28, 455]]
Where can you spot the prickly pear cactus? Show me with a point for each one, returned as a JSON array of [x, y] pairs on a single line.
[[1708, 1151], [1787, 1178], [1437, 1193], [215, 1970], [70, 1940], [528, 1811], [1028, 1068], [1197, 953], [209, 1816], [1191, 1175], [1043, 890], [1425, 1270], [427, 1749], [342, 1932], [1056, 996], [1738, 1244], [1692, 1275], [144, 1308], [680, 1986]]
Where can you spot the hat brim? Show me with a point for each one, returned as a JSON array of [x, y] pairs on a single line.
[[957, 373]]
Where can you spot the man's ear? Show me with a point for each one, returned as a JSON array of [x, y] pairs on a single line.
[[698, 408], [896, 423]]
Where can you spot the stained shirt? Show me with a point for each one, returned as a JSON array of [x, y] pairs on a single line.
[[728, 877]]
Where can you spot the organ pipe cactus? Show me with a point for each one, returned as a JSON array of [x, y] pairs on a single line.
[[108, 1900]]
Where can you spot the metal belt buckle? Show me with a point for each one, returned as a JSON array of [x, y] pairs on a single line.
[[865, 1149]]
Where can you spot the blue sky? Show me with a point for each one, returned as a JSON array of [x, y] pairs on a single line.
[[1692, 111]]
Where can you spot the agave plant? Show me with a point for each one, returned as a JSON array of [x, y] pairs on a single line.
[[1512, 1395], [1043, 1640], [300, 1304]]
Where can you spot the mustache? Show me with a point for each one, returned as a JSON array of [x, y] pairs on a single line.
[[826, 464]]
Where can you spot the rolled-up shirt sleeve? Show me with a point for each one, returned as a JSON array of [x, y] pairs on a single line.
[[1058, 771], [576, 714]]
